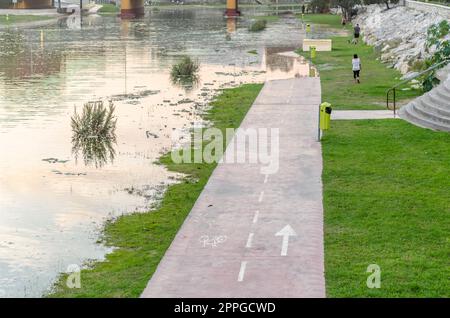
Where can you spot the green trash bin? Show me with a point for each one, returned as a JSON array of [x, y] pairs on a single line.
[[312, 50]]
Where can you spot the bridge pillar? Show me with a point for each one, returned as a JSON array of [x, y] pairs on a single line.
[[232, 9], [32, 4], [132, 8]]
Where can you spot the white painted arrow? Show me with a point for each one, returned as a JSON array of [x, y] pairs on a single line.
[[285, 232]]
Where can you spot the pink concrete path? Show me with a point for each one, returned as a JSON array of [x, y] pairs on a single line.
[[256, 235]]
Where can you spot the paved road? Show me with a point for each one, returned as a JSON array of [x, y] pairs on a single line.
[[269, 228]]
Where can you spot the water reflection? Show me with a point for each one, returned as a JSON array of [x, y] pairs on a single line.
[[94, 133], [231, 25]]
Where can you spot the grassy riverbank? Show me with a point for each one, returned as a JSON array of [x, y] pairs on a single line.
[[142, 238], [386, 203], [13, 19], [336, 75], [108, 9], [385, 184]]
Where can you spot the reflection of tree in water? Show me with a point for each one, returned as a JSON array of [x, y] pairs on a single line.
[[94, 133], [186, 82], [276, 61]]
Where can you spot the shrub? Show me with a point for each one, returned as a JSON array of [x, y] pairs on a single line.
[[258, 25], [185, 68], [438, 43], [185, 72]]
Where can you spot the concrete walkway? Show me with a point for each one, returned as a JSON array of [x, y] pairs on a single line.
[[362, 114], [255, 235]]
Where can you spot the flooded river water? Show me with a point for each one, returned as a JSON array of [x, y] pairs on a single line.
[[52, 202]]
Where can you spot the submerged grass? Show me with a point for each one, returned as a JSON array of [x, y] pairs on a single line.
[[335, 68], [141, 239], [386, 202]]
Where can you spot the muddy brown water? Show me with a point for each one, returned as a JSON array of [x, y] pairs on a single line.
[[53, 206]]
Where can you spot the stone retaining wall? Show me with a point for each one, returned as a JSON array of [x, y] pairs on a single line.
[[399, 34], [429, 7]]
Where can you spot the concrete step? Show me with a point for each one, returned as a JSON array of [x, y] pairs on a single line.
[[435, 104], [408, 113], [442, 92], [432, 110], [443, 73], [431, 114], [438, 100]]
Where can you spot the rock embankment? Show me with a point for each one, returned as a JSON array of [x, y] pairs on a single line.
[[399, 33]]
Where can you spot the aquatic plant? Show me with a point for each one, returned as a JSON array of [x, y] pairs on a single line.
[[185, 68], [185, 72], [258, 25], [94, 133]]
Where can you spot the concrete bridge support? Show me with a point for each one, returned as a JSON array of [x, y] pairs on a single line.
[[132, 8], [32, 4], [232, 9]]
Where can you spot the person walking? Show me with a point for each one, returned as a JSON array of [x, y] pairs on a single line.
[[356, 32], [356, 67]]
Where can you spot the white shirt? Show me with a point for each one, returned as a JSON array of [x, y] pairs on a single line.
[[356, 63]]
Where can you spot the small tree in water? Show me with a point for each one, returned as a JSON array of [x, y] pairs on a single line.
[[185, 72], [94, 133], [185, 68]]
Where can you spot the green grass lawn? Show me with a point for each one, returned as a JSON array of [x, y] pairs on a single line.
[[386, 200], [109, 8], [335, 68], [22, 18], [142, 238], [330, 20]]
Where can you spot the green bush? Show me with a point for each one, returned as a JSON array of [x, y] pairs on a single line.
[[258, 25], [437, 42], [186, 68]]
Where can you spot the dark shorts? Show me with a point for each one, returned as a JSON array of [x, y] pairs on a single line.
[[356, 74], [356, 35]]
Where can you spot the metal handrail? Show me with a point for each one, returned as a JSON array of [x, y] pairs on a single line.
[[394, 88]]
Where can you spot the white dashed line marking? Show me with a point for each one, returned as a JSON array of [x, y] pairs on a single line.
[[261, 195], [242, 271], [255, 218], [266, 178], [249, 240]]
